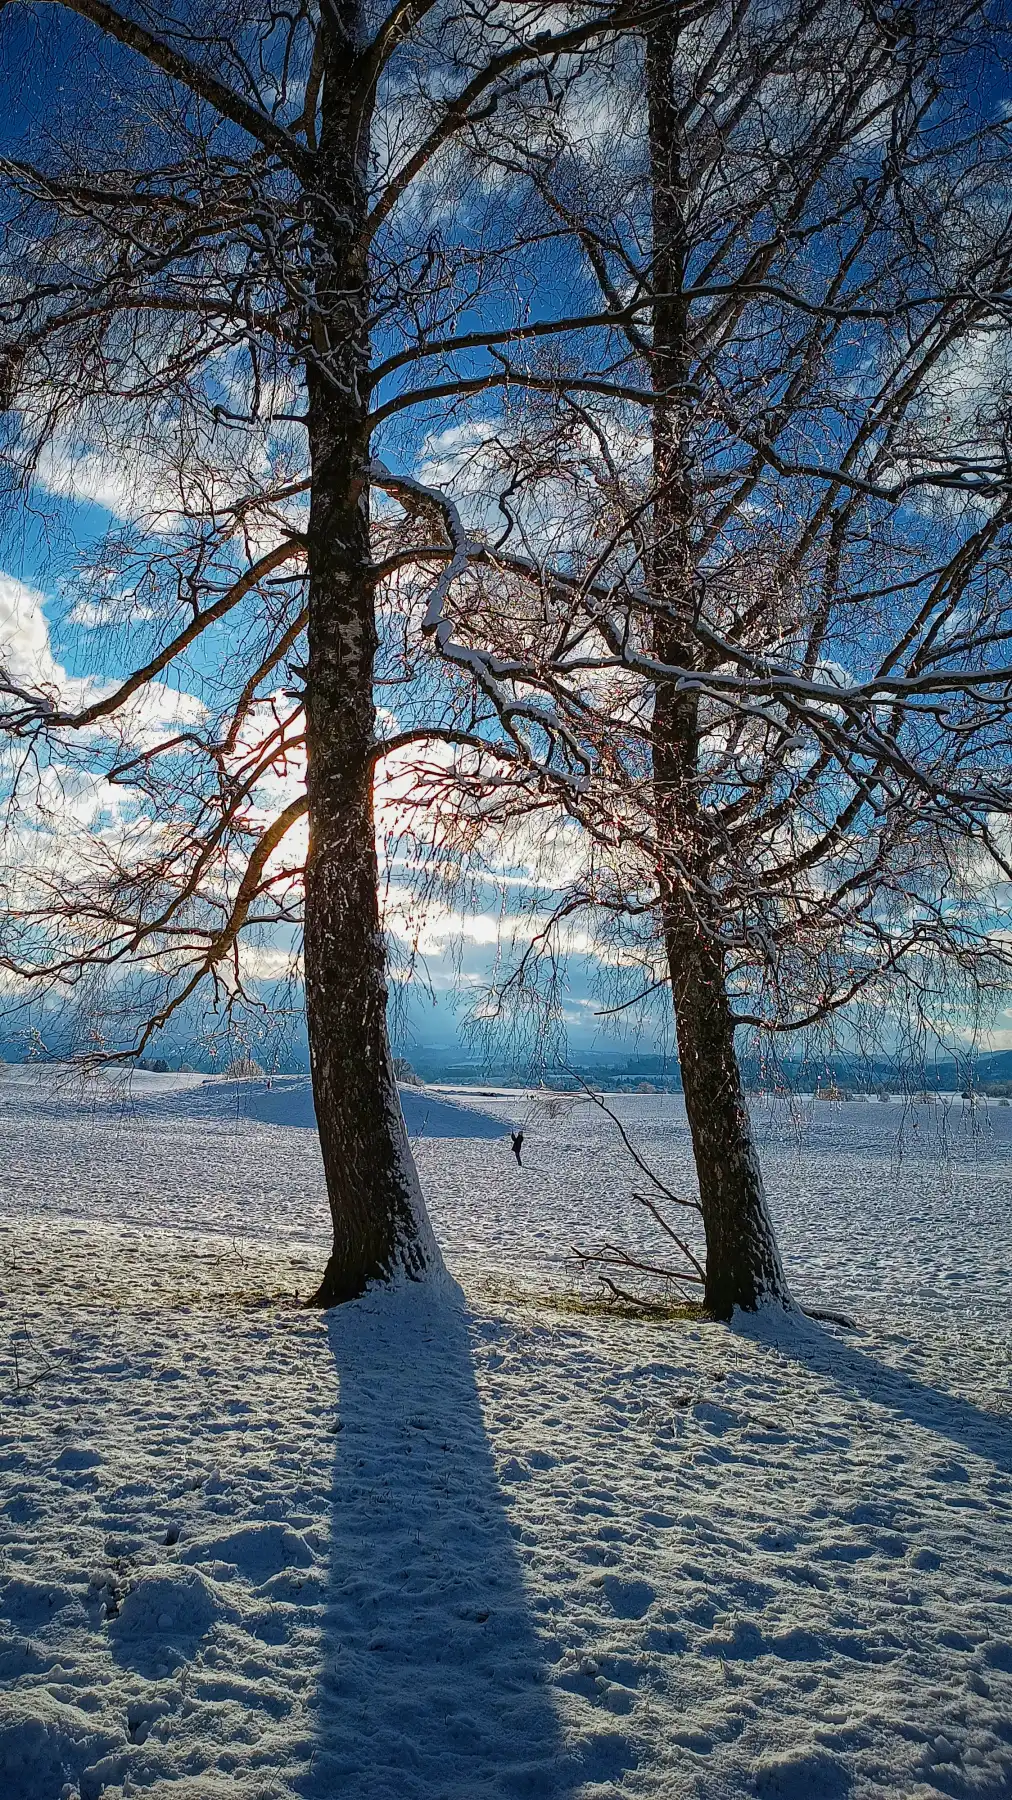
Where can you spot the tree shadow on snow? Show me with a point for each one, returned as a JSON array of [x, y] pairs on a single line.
[[432, 1672], [858, 1374]]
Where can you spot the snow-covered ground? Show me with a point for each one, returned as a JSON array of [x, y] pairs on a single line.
[[434, 1547]]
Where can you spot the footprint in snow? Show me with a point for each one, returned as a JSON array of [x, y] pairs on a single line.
[[78, 1457], [628, 1599], [164, 1613], [514, 1470], [258, 1550], [715, 1419]]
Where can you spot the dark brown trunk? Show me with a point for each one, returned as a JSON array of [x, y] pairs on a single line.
[[742, 1263], [380, 1226]]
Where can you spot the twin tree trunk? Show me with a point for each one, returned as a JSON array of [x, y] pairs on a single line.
[[380, 1226], [379, 1220], [743, 1266]]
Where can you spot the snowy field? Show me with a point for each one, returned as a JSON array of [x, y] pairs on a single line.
[[443, 1548]]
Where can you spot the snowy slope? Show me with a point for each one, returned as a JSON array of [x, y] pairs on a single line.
[[430, 1548], [288, 1100]]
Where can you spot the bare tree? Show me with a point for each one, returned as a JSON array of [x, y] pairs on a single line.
[[767, 520], [230, 245]]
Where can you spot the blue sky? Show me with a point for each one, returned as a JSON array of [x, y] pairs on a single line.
[[41, 550]]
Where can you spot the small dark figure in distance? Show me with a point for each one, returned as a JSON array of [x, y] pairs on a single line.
[[517, 1140]]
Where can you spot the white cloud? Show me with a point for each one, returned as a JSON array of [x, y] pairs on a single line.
[[113, 609], [26, 654], [129, 489], [24, 637]]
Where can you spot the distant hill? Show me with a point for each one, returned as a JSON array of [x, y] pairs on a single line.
[[861, 1074], [936, 1074], [610, 1070]]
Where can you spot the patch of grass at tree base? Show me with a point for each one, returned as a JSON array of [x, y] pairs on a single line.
[[591, 1305]]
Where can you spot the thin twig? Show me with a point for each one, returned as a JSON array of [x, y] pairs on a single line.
[[643, 1166]]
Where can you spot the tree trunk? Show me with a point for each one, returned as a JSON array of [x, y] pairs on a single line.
[[380, 1225], [743, 1266]]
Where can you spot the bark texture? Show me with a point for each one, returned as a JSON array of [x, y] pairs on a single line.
[[380, 1225], [743, 1266]]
